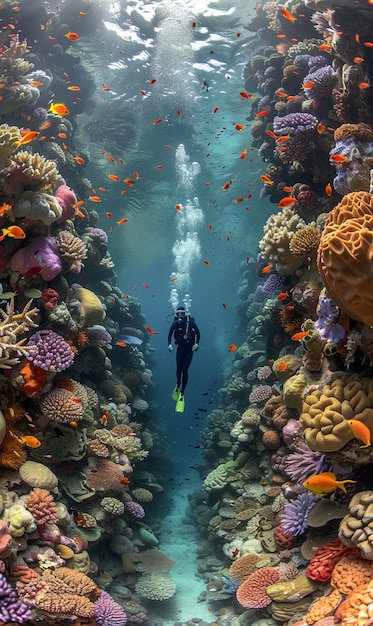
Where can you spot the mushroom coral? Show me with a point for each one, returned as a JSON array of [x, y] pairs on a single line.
[[345, 255]]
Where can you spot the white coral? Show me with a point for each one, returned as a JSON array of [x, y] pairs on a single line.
[[278, 231]]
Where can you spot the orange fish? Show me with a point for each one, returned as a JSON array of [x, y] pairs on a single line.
[[308, 85], [108, 214], [206, 262], [94, 198], [178, 207], [156, 122], [79, 203], [245, 95], [283, 295], [358, 59], [105, 88], [282, 138], [30, 441], [58, 109], [325, 47], [287, 189], [364, 85], [123, 220], [360, 431], [240, 127], [266, 180], [328, 189], [215, 110], [226, 185], [4, 208], [79, 213], [62, 135], [326, 482], [266, 269], [29, 136], [283, 367], [262, 114], [79, 160], [129, 181], [136, 175], [338, 158], [239, 200], [151, 331], [122, 344], [271, 134], [286, 202], [320, 128], [74, 88], [152, 81], [300, 336], [110, 158], [125, 480], [72, 36], [368, 44], [287, 15], [16, 232], [243, 154], [45, 126], [232, 347], [113, 177], [281, 94], [178, 113]]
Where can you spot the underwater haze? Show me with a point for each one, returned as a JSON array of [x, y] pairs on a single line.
[[186, 406]]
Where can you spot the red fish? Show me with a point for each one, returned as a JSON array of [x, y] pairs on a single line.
[[151, 331]]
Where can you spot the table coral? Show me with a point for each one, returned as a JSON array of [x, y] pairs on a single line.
[[326, 412], [356, 528], [345, 255]]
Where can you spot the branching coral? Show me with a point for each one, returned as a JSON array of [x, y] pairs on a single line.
[[130, 445], [32, 169], [12, 326], [72, 250], [278, 232]]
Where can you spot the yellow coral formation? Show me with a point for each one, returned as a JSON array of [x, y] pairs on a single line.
[[351, 572], [356, 528], [325, 413], [278, 232], [305, 241], [32, 169], [9, 138]]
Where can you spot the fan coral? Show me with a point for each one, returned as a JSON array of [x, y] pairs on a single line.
[[294, 514], [72, 250], [304, 462], [60, 405], [11, 608], [49, 351], [156, 586], [345, 256], [108, 612], [42, 507], [32, 169], [13, 325]]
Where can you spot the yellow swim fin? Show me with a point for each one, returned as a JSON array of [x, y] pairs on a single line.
[[175, 394], [180, 404]]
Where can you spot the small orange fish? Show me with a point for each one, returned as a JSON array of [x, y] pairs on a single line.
[[243, 154], [156, 122], [4, 208], [29, 136], [232, 347], [152, 81], [206, 262], [328, 189], [79, 213], [245, 95], [282, 138], [94, 198], [123, 220], [325, 47], [283, 367], [215, 110], [79, 203], [58, 109], [286, 202], [110, 158], [16, 232], [280, 93], [238, 200], [266, 269], [320, 128], [108, 214], [62, 135], [129, 181], [262, 114], [326, 482], [105, 88], [240, 127], [266, 180], [121, 344], [125, 480], [45, 126], [76, 400], [178, 207], [235, 552], [210, 226], [358, 59], [151, 331], [300, 336], [136, 175], [360, 431], [363, 85], [271, 134], [283, 295], [368, 44], [79, 160], [338, 158], [74, 88], [72, 36], [287, 189], [113, 177], [308, 85], [226, 185], [30, 441], [104, 418], [287, 15]]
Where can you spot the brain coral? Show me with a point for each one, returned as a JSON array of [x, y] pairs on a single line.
[[325, 413], [356, 528], [345, 255]]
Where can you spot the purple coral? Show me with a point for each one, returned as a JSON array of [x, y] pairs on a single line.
[[327, 313], [294, 123], [135, 509], [261, 394], [11, 608], [98, 234], [303, 463], [273, 282], [323, 80], [294, 516], [108, 612], [49, 351]]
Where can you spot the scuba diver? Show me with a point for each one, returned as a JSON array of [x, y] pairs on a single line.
[[186, 335]]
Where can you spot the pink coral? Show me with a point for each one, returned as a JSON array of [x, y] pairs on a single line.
[[6, 541], [42, 507], [261, 394], [66, 199], [251, 594], [106, 476]]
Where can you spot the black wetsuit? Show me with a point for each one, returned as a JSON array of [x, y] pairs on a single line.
[[186, 334]]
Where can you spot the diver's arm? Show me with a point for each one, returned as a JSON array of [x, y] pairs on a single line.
[[170, 334]]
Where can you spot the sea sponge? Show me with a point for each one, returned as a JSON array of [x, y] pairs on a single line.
[[294, 390], [278, 232], [356, 528], [345, 256], [38, 475], [91, 306], [326, 412]]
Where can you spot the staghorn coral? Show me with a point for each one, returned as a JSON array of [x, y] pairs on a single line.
[[278, 232], [12, 326], [72, 250], [356, 528], [345, 255], [326, 412], [32, 169]]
